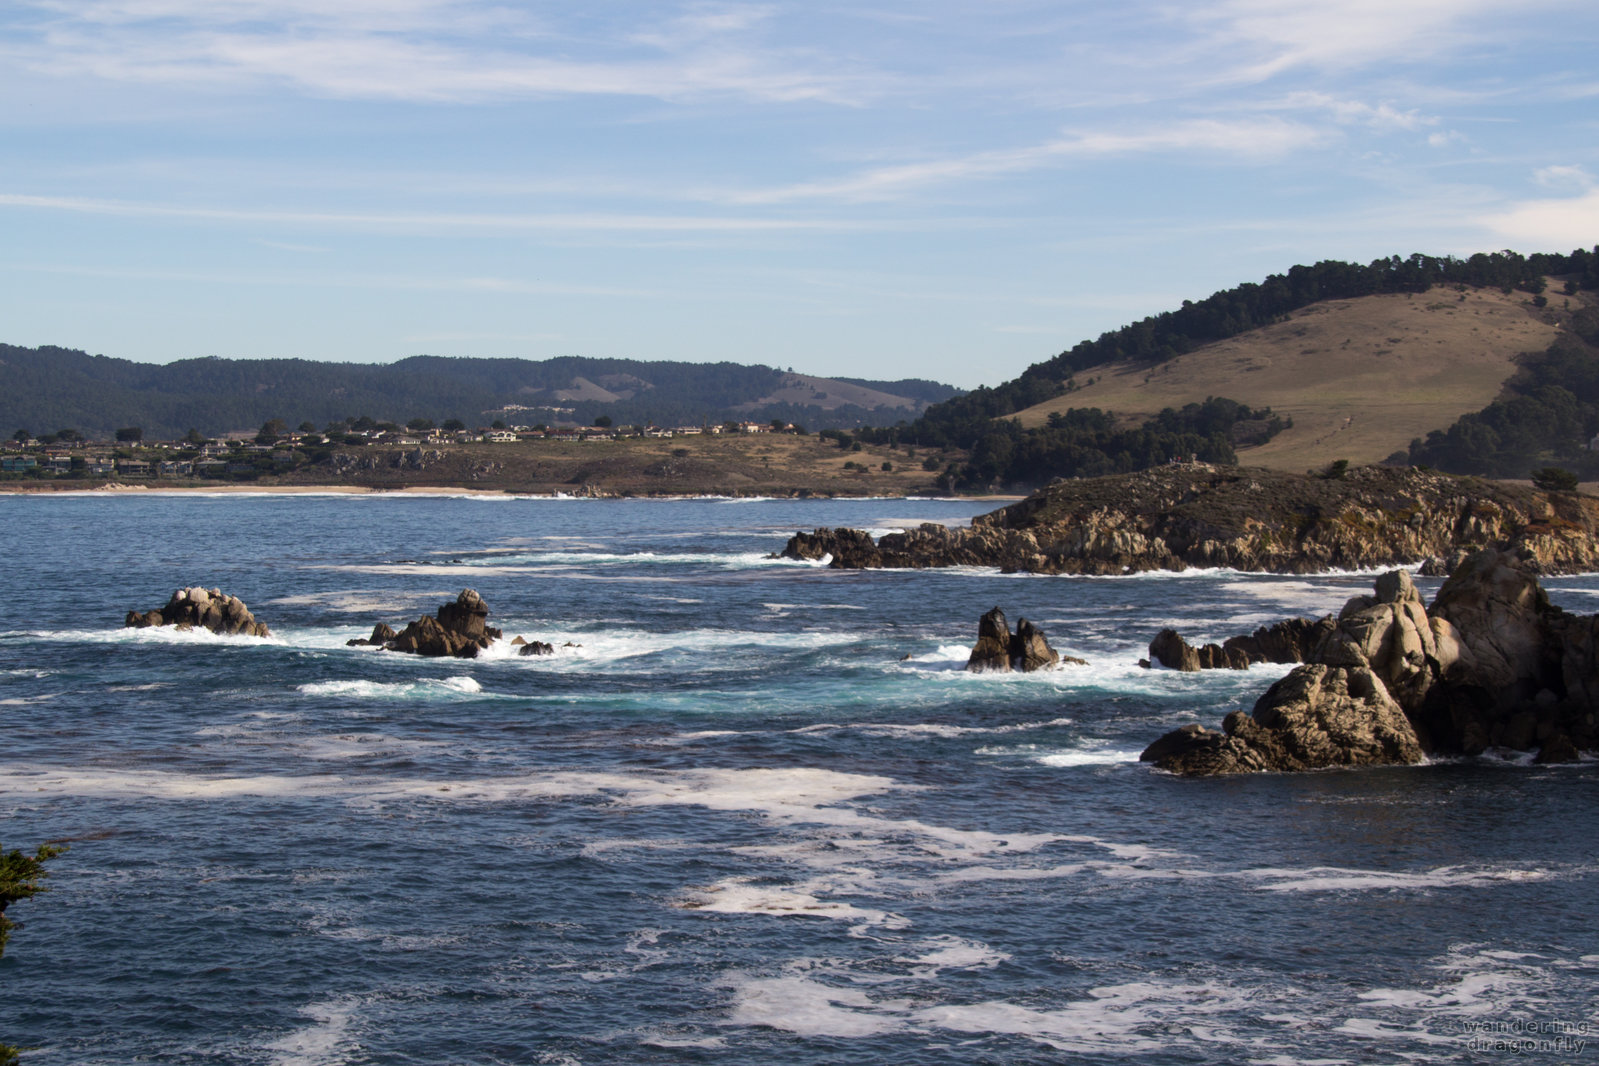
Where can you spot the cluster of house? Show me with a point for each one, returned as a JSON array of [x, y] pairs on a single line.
[[225, 458]]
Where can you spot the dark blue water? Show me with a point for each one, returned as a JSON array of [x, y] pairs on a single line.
[[756, 814]]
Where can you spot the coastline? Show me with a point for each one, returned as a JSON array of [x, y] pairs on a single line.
[[448, 491]]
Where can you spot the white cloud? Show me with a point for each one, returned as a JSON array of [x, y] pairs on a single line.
[[1253, 140], [1566, 178], [1444, 138], [418, 50], [1383, 116], [452, 222], [1550, 225], [1285, 34]]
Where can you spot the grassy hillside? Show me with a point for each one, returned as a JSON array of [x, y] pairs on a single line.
[[1360, 378]]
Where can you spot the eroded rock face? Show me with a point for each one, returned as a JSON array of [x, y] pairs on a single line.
[[204, 608], [998, 650], [1492, 663]]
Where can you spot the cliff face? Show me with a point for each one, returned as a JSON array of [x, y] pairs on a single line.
[[1172, 518]]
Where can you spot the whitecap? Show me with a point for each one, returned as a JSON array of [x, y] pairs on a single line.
[[424, 689]]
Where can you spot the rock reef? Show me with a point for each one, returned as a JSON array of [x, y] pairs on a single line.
[[202, 608], [1194, 515], [1490, 664], [459, 629]]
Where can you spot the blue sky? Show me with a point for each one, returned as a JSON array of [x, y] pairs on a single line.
[[935, 189]]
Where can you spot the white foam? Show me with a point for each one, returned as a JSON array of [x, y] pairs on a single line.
[[322, 1042], [742, 895], [1334, 879], [809, 1008], [424, 689], [1089, 756]]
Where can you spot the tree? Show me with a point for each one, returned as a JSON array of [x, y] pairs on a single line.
[[1554, 479], [603, 422], [307, 427], [271, 430], [194, 437], [453, 425], [419, 425], [21, 877], [129, 435], [21, 435]]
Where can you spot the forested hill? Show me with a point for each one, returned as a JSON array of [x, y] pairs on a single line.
[[46, 389], [964, 420]]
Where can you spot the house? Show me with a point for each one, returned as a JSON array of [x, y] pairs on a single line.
[[500, 436], [176, 468], [127, 467], [18, 463]]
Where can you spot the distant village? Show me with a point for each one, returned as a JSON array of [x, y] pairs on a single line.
[[276, 449]]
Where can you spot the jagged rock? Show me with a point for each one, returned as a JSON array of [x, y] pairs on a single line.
[[458, 630], [1173, 652], [1171, 518], [1029, 650], [536, 647], [998, 650], [991, 653], [1492, 663], [382, 633], [207, 608]]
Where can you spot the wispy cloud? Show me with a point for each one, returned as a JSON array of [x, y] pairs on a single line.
[[1274, 36], [1254, 140], [419, 50], [453, 221]]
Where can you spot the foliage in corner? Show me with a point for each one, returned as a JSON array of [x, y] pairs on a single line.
[[21, 877]]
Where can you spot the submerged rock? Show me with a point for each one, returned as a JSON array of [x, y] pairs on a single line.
[[204, 608]]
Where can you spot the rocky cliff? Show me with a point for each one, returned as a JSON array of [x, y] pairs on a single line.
[[1172, 518], [1490, 664]]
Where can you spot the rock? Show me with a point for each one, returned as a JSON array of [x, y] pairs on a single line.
[[207, 608], [1173, 652], [999, 651], [1557, 749], [381, 635], [1029, 650], [1171, 518], [991, 653], [535, 647], [1491, 663], [458, 630]]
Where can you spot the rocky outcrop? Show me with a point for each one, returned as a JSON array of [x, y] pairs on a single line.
[[1288, 641], [524, 646], [998, 650], [1491, 663], [203, 608], [1173, 518], [460, 629]]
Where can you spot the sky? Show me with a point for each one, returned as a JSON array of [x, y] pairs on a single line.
[[939, 189]]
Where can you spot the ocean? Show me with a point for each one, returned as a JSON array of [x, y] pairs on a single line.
[[751, 811]]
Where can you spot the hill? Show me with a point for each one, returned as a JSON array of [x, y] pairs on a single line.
[[46, 389], [1358, 378], [1417, 365]]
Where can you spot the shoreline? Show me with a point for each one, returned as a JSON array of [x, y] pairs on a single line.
[[449, 492]]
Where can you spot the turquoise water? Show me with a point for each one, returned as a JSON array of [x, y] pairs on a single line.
[[757, 813]]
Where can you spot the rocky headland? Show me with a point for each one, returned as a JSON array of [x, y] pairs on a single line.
[[204, 608], [1196, 515], [1491, 663]]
